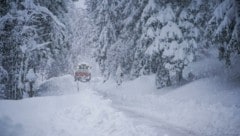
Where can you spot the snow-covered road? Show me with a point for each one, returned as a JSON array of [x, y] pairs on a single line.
[[209, 106], [80, 114], [134, 109]]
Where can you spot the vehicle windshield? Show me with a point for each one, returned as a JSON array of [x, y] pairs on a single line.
[[83, 68]]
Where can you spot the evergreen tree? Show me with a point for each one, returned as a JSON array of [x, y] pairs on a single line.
[[31, 37], [224, 31], [105, 14], [135, 42]]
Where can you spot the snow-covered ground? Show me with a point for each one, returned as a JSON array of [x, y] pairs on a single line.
[[209, 106], [83, 113]]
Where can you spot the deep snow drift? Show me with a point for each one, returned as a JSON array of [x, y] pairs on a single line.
[[209, 106]]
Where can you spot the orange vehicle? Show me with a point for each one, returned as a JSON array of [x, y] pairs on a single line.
[[83, 73]]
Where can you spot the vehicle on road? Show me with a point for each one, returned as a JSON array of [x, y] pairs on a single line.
[[82, 73]]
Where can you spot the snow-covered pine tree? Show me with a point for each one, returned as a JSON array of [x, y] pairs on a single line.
[[11, 26], [130, 30], [192, 21], [59, 32], [171, 50], [149, 27], [223, 28], [160, 36], [138, 28], [106, 15], [31, 35]]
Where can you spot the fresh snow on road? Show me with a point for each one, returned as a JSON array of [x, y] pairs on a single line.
[[208, 106]]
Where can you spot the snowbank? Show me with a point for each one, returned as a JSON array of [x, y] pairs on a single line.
[[57, 86], [85, 113]]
